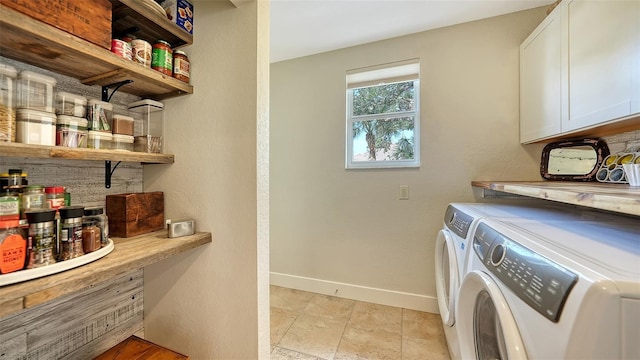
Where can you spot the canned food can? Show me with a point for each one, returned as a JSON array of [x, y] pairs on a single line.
[[162, 58], [141, 52], [121, 48]]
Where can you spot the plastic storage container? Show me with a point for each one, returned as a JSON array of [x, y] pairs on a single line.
[[122, 142], [8, 76], [71, 104], [122, 125], [71, 131], [35, 91], [150, 113], [99, 115], [35, 127], [99, 140]]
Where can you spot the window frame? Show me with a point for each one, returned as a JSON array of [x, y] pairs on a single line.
[[350, 119]]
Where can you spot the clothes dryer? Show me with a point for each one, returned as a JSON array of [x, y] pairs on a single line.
[[452, 248], [553, 289]]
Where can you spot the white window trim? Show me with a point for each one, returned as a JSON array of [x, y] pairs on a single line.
[[414, 163]]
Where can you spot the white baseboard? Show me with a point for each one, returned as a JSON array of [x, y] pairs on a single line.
[[357, 292]]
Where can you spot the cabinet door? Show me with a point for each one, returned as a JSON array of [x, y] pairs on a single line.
[[541, 95], [603, 56]]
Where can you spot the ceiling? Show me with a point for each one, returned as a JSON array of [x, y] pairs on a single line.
[[305, 27]]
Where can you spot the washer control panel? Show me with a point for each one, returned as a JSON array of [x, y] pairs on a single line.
[[457, 221], [541, 283]]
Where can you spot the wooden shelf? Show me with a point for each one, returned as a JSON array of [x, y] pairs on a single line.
[[620, 198], [31, 41], [59, 152], [148, 25], [129, 254]]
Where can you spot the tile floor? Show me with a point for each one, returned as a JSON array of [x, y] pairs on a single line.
[[308, 326]]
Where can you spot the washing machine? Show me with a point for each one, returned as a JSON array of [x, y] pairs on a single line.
[[452, 241], [552, 289]]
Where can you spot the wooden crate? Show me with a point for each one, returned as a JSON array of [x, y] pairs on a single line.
[[86, 19], [134, 214], [135, 348]]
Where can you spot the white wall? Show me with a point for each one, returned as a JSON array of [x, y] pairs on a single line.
[[345, 230], [212, 302]]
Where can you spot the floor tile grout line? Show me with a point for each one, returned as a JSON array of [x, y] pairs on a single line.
[[355, 302]]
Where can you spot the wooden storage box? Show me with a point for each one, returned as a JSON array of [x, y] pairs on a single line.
[[135, 213], [86, 19]]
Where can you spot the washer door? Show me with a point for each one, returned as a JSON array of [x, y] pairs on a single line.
[[447, 277], [486, 327]]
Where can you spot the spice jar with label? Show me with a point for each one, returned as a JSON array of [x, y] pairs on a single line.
[[42, 239], [55, 196], [162, 57], [97, 215], [33, 198], [71, 232], [13, 247], [91, 236], [9, 205]]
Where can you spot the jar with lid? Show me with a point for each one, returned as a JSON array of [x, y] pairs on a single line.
[[99, 115], [55, 196], [33, 198], [97, 215], [91, 236], [9, 205], [36, 91], [71, 232], [13, 247], [150, 114], [42, 239], [71, 104], [71, 131], [35, 127], [8, 76], [181, 66], [162, 57]]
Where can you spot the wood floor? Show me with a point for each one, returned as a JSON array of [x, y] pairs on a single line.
[[308, 326]]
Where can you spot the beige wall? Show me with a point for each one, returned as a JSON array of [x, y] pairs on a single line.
[[345, 230], [212, 302]]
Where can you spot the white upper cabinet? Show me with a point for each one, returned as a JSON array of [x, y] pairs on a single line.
[[540, 81], [580, 68], [603, 56]]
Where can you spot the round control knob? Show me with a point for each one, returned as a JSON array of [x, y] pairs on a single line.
[[497, 254]]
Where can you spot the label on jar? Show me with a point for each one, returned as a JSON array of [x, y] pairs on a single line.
[[141, 52], [181, 68], [9, 207], [12, 253], [162, 59]]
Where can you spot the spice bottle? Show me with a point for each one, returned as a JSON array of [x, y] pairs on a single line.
[[101, 221], [32, 198], [13, 247], [9, 205], [91, 235], [71, 232], [55, 196], [42, 238]]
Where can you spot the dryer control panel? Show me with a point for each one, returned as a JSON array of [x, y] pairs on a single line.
[[457, 221], [541, 283]]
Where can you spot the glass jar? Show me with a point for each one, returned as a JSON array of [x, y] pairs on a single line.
[[9, 205], [8, 76], [91, 236], [13, 247], [70, 232], [97, 215], [181, 66], [55, 196], [32, 198], [42, 239], [162, 57]]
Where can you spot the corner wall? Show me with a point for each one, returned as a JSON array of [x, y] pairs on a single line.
[[209, 303], [344, 232]]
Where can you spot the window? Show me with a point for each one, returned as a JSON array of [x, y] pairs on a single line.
[[383, 116]]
